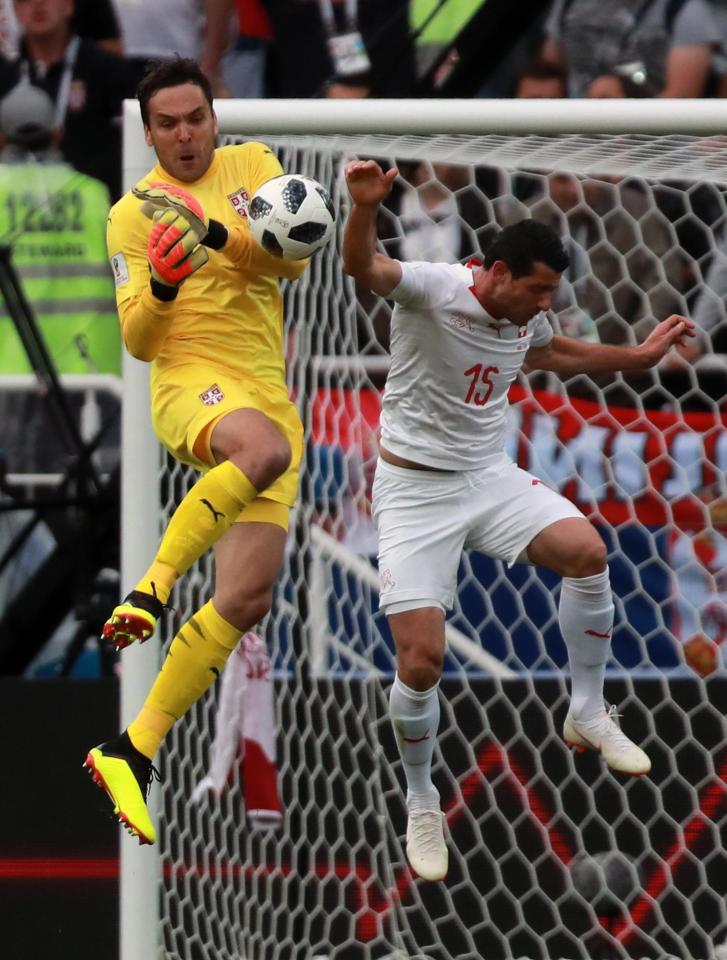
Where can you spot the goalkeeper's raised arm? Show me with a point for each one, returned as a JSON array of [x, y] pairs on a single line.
[[200, 299]]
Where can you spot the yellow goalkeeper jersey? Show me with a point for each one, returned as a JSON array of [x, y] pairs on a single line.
[[228, 315]]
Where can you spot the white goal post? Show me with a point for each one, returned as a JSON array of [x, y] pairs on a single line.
[[656, 140]]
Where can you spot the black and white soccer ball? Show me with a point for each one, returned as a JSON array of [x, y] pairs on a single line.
[[291, 216], [607, 880]]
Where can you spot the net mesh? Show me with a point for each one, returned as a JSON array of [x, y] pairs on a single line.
[[550, 854]]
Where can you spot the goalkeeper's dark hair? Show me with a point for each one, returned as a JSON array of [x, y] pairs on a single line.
[[523, 244], [173, 72]]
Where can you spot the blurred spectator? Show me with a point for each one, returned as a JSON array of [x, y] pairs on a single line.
[[436, 27], [93, 19], [302, 57], [430, 225], [558, 200], [709, 309], [8, 30], [86, 83], [439, 212], [97, 20], [697, 212], [157, 29], [719, 12], [53, 220], [542, 80], [654, 48], [698, 561], [626, 266], [235, 47]]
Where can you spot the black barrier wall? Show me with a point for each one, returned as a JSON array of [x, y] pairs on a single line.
[[58, 846]]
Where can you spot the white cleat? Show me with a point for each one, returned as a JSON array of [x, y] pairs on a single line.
[[604, 734], [425, 847]]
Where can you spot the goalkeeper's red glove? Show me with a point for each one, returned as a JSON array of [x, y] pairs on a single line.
[[166, 196], [174, 253]]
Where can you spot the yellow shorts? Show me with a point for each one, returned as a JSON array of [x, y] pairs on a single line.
[[188, 401]]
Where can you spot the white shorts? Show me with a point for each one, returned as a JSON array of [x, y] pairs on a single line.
[[426, 518]]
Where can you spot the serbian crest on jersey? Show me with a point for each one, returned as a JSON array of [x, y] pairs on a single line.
[[212, 396], [239, 201]]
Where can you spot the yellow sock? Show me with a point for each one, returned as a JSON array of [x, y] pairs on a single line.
[[196, 658], [158, 581], [148, 730], [209, 509]]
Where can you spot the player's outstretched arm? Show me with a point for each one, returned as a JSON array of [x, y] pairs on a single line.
[[568, 357], [368, 185]]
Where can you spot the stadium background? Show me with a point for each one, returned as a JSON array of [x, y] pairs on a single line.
[[52, 862]]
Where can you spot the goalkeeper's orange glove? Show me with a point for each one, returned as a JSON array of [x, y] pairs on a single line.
[[166, 196], [174, 253]]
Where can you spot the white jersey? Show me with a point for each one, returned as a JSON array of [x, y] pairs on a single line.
[[452, 364]]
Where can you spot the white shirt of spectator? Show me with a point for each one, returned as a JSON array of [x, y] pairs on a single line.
[[429, 233], [161, 28], [603, 35], [8, 30], [445, 402]]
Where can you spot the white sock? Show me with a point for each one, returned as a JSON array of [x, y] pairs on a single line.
[[586, 622], [415, 718]]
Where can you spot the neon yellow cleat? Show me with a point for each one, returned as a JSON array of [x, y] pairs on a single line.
[[133, 619], [125, 775]]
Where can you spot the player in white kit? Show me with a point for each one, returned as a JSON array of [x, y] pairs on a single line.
[[459, 336]]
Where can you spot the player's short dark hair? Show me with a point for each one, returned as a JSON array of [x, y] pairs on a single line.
[[523, 244], [173, 72]]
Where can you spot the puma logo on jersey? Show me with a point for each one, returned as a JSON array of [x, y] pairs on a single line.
[[460, 321], [217, 514], [386, 579]]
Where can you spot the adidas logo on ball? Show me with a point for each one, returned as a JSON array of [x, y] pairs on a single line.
[[291, 216]]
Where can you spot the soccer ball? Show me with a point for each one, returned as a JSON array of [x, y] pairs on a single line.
[[291, 216], [607, 880]]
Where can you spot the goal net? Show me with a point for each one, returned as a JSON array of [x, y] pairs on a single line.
[[551, 855]]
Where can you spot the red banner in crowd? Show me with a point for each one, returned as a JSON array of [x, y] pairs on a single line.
[[619, 463]]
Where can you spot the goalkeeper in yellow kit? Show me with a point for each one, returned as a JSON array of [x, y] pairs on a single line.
[[201, 300]]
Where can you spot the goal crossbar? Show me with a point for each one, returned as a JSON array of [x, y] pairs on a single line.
[[473, 117]]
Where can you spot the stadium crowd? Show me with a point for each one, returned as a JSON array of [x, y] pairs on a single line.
[[636, 252]]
